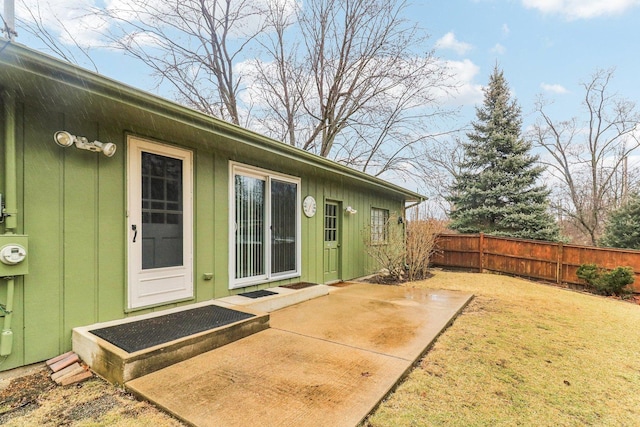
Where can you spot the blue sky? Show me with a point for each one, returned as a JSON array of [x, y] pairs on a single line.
[[544, 46]]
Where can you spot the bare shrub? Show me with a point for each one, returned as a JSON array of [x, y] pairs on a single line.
[[388, 249], [406, 250], [422, 239]]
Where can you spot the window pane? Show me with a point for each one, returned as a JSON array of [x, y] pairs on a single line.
[[157, 189], [172, 190], [146, 186], [283, 226], [250, 217], [157, 218], [162, 239], [379, 223]]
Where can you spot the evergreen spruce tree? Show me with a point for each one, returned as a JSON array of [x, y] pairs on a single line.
[[623, 227], [496, 192]]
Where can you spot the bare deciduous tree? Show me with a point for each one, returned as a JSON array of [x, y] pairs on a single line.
[[40, 19], [191, 44], [587, 155], [442, 163], [359, 56], [357, 87], [350, 80], [278, 83]]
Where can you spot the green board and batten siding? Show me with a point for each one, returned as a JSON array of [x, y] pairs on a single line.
[[72, 204]]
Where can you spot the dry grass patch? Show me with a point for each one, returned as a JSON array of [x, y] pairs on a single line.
[[35, 400], [524, 353]]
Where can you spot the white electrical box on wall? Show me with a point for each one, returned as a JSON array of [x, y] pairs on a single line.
[[13, 255]]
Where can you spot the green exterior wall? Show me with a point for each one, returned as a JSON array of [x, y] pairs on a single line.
[[72, 205]]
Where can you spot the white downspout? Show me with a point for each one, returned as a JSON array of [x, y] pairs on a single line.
[[11, 210]]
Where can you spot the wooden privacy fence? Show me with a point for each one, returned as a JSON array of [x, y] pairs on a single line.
[[554, 262]]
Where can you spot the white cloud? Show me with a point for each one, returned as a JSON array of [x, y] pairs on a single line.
[[505, 29], [133, 11], [80, 21], [554, 88], [499, 49], [449, 41], [463, 74], [581, 9], [70, 20]]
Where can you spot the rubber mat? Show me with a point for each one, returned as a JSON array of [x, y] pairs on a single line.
[[258, 294], [299, 285], [135, 336]]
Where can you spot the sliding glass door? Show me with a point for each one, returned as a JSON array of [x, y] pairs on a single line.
[[265, 228]]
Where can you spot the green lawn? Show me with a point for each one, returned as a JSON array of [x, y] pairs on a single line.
[[524, 353]]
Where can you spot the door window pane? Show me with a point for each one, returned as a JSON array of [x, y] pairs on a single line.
[[250, 218], [162, 230], [330, 222], [283, 226]]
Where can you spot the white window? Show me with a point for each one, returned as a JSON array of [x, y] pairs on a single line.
[[264, 226], [379, 225]]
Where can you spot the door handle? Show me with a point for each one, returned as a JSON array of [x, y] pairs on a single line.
[[135, 232]]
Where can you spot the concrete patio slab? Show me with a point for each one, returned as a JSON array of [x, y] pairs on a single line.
[[392, 320], [327, 361]]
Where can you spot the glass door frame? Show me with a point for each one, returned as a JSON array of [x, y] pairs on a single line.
[[268, 176]]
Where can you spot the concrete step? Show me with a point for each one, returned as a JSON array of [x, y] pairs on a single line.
[[119, 366], [282, 298]]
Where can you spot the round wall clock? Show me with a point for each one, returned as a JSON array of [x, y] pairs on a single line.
[[309, 206]]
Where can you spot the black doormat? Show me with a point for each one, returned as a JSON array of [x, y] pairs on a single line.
[[258, 294], [299, 285], [135, 336]]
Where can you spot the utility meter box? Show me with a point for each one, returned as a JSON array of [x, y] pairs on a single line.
[[14, 255]]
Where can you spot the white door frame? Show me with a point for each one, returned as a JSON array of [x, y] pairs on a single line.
[[156, 286]]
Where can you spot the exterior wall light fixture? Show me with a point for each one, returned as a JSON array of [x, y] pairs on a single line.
[[351, 211], [65, 139]]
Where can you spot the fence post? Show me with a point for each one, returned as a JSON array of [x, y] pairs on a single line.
[[559, 263], [480, 252]]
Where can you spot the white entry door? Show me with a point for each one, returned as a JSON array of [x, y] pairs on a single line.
[[160, 221]]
